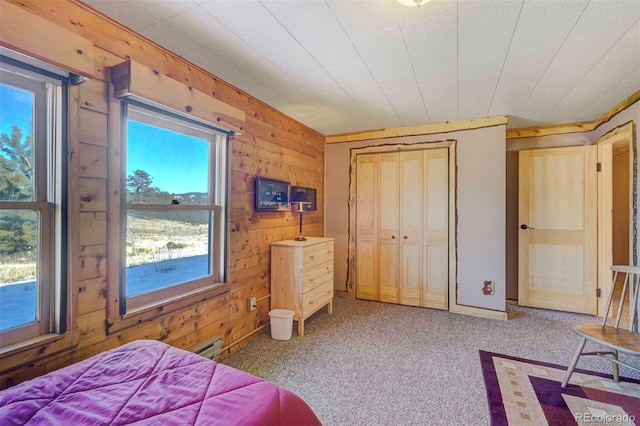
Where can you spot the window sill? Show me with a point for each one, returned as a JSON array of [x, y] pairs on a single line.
[[28, 344], [152, 311]]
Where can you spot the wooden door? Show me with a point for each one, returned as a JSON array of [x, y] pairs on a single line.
[[436, 229], [367, 227], [402, 227], [558, 218], [411, 229], [389, 224]]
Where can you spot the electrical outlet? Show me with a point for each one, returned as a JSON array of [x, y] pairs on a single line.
[[251, 304], [489, 288]]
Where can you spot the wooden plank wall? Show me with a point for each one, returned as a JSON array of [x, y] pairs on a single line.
[[272, 145]]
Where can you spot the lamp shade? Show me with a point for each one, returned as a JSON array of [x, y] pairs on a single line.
[[301, 198]]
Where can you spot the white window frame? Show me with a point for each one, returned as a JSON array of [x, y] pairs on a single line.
[[218, 158], [49, 198]]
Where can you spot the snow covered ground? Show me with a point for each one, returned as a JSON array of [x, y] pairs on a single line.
[[18, 300], [151, 276]]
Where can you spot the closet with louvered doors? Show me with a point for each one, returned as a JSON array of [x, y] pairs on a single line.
[[402, 212]]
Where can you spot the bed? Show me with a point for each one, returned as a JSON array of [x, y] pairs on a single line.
[[149, 382]]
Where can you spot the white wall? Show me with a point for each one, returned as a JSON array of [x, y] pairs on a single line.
[[481, 204], [481, 217]]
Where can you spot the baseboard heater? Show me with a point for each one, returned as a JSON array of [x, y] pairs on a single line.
[[209, 348]]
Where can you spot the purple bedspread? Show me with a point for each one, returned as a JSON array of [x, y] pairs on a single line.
[[149, 382]]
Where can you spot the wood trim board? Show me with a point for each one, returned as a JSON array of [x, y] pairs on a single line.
[[424, 129], [25, 33], [132, 79], [585, 126]]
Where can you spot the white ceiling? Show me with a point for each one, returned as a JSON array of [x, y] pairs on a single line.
[[345, 65]]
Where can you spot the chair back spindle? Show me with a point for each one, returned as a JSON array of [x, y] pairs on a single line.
[[610, 297], [614, 338]]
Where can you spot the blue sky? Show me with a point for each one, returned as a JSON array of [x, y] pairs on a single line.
[[177, 163], [16, 107]]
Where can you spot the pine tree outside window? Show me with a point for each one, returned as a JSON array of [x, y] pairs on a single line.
[[174, 218], [31, 204]]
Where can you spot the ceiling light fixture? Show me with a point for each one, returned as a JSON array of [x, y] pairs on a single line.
[[413, 3]]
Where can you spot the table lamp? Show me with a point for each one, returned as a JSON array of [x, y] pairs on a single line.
[[300, 199]]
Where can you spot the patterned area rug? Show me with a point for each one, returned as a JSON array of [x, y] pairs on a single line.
[[525, 392]]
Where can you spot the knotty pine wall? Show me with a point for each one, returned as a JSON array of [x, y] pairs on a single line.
[[272, 145]]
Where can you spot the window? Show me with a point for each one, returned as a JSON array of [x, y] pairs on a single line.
[[31, 204], [174, 193]]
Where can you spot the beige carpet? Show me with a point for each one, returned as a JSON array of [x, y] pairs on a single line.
[[380, 364]]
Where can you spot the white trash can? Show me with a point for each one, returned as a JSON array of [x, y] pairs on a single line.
[[281, 323]]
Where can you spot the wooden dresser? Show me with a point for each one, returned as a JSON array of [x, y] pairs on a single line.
[[302, 277]]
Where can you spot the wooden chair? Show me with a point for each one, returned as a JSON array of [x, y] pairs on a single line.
[[615, 338]]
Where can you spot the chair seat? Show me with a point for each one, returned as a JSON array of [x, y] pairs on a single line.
[[614, 338]]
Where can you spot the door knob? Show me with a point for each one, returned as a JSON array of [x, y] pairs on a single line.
[[393, 237], [405, 237], [525, 226]]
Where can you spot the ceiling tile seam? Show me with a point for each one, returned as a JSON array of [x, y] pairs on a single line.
[[553, 58], [230, 29], [198, 6], [160, 21], [314, 58], [365, 64], [504, 61], [590, 69], [152, 18], [299, 44], [604, 93], [413, 69], [237, 35]]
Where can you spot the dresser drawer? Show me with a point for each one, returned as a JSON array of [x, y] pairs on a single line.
[[317, 254], [317, 275], [316, 298]]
